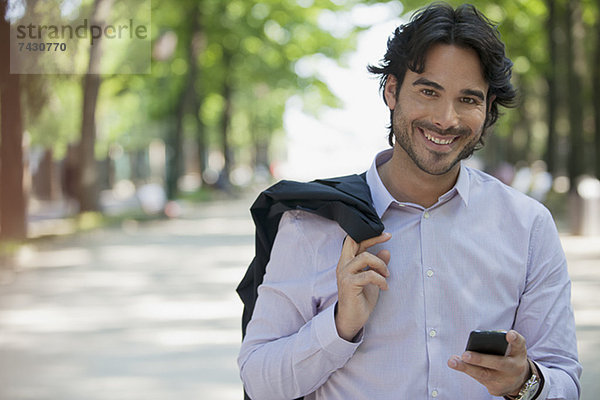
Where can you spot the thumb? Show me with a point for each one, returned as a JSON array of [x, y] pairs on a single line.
[[349, 250], [365, 244], [516, 343]]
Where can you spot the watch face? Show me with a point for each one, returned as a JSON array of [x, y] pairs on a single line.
[[530, 389]]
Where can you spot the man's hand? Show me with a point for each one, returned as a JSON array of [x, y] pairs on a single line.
[[501, 375], [360, 276]]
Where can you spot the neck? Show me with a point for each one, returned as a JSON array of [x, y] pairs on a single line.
[[406, 182]]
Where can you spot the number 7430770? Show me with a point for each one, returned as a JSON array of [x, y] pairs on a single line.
[[35, 46]]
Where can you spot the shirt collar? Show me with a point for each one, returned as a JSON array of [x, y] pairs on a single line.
[[461, 186], [380, 195], [382, 198]]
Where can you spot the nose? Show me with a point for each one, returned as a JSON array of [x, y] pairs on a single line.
[[445, 115]]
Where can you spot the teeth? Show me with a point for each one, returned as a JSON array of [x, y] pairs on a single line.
[[436, 140]]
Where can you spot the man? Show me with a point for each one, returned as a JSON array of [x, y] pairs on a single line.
[[388, 318]]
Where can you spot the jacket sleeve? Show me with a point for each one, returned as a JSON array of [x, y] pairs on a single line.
[[291, 345], [545, 316]]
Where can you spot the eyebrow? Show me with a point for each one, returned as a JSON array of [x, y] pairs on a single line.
[[426, 82], [469, 92], [477, 93]]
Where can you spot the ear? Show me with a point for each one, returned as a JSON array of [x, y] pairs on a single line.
[[390, 90], [490, 102]]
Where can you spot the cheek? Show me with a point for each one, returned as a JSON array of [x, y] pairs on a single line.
[[475, 119], [416, 108]]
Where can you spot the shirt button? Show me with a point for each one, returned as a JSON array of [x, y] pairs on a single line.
[[426, 215], [434, 393], [432, 333], [430, 273]]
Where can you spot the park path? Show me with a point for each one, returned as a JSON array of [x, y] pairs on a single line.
[[144, 311], [148, 310]]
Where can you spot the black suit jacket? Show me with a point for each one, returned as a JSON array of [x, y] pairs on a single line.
[[346, 200]]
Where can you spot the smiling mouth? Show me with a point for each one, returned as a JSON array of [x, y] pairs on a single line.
[[437, 140]]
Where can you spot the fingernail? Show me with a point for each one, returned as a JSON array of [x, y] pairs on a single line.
[[466, 356], [513, 336], [387, 234], [452, 363]]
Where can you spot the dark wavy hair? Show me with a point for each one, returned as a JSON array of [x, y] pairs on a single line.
[[464, 27]]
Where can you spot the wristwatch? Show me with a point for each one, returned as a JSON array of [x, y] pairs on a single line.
[[530, 388]]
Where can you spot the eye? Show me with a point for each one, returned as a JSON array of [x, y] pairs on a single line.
[[428, 92], [469, 100]]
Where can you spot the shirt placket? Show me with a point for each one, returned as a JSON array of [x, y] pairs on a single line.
[[431, 291]]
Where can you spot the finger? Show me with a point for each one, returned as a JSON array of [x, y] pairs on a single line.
[[487, 377], [365, 244], [349, 250], [481, 374], [369, 277], [456, 363], [484, 360], [385, 256], [365, 261], [516, 344]]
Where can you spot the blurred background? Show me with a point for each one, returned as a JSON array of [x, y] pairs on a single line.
[[124, 223], [238, 93]]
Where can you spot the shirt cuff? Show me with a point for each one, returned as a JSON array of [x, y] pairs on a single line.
[[327, 335], [542, 391], [544, 385]]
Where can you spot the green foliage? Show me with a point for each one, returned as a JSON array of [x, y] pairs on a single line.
[[264, 40], [57, 122], [255, 45]]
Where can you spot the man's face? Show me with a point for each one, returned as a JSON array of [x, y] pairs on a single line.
[[439, 114]]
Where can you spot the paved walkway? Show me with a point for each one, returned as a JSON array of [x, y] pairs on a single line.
[[583, 255], [148, 311], [143, 312]]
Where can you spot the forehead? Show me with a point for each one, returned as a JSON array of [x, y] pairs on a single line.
[[453, 67]]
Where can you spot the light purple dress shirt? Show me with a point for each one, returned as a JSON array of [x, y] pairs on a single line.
[[483, 257]]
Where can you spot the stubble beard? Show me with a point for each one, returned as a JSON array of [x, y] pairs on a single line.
[[437, 163]]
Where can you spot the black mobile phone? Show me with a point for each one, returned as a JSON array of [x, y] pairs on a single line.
[[488, 342]]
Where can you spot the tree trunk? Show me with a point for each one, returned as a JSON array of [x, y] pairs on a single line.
[[13, 208], [198, 45], [596, 80], [524, 124], [576, 63], [138, 166], [227, 93], [201, 146], [552, 106], [43, 181], [174, 153], [188, 100], [260, 132], [88, 184]]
